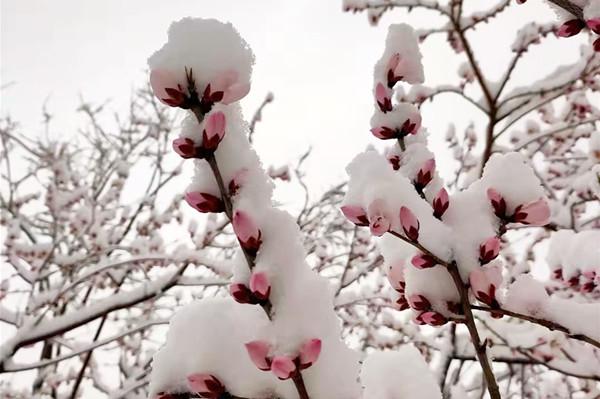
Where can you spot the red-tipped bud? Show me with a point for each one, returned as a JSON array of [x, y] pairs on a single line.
[[596, 45], [259, 354], [433, 318], [260, 286], [393, 63], [422, 261], [356, 214], [498, 203], [411, 125], [395, 276], [237, 181], [247, 232], [206, 385], [594, 25], [214, 131], [410, 223], [309, 353], [535, 213], [402, 303], [379, 222], [557, 274], [384, 133], [166, 88], [241, 293], [425, 174], [204, 202], [383, 95], [418, 302], [441, 202], [186, 148], [489, 250], [570, 28], [283, 367], [484, 283]]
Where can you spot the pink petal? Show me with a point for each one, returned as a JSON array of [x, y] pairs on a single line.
[[410, 223], [283, 367], [204, 202], [441, 202], [206, 385], [185, 147], [425, 174], [422, 261], [393, 62], [259, 285], [419, 302], [489, 250], [309, 352], [235, 93], [396, 276], [498, 202], [433, 318], [259, 352], [160, 80], [356, 214], [215, 125], [246, 231], [594, 25], [536, 213], [379, 223]]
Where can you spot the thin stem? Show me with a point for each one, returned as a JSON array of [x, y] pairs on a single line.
[[300, 387]]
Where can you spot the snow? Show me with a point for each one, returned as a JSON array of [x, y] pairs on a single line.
[[401, 39], [574, 252]]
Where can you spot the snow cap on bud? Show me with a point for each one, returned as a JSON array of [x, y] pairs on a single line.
[[247, 232], [484, 283], [241, 293], [186, 148], [489, 250], [410, 223], [379, 223], [498, 202], [422, 261], [441, 202], [214, 131], [356, 214], [206, 385], [535, 213], [259, 354], [166, 88], [283, 367], [383, 96], [418, 302], [309, 353], [570, 28], [260, 286], [433, 318], [425, 174], [395, 276], [204, 202]]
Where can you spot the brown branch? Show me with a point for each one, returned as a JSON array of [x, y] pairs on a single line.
[[569, 7]]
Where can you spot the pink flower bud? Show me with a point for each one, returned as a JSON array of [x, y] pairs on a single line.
[[379, 223], [402, 303], [356, 214], [418, 319], [247, 232], [309, 353], [214, 131], [410, 223], [206, 385], [260, 286], [497, 202], [535, 213], [411, 125], [441, 202], [384, 133], [204, 202], [484, 283], [283, 367], [570, 28], [227, 83], [393, 63], [422, 261], [395, 276], [166, 88], [186, 148], [241, 293], [433, 318], [383, 96], [425, 174], [259, 354], [489, 250], [418, 302], [594, 25]]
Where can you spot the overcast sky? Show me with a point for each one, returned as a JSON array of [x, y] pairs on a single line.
[[316, 60]]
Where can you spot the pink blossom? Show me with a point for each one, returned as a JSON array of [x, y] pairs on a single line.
[[247, 232], [419, 302], [422, 261], [535, 213], [283, 367], [356, 214], [260, 286], [570, 28], [498, 203], [241, 293], [384, 133], [259, 354], [433, 318], [425, 174], [484, 283], [489, 250], [166, 88], [214, 131], [383, 96], [204, 202], [396, 276], [227, 82], [206, 385], [379, 221], [410, 223], [441, 202], [186, 148], [309, 353], [594, 25]]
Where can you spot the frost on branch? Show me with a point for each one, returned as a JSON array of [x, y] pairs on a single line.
[[213, 338]]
